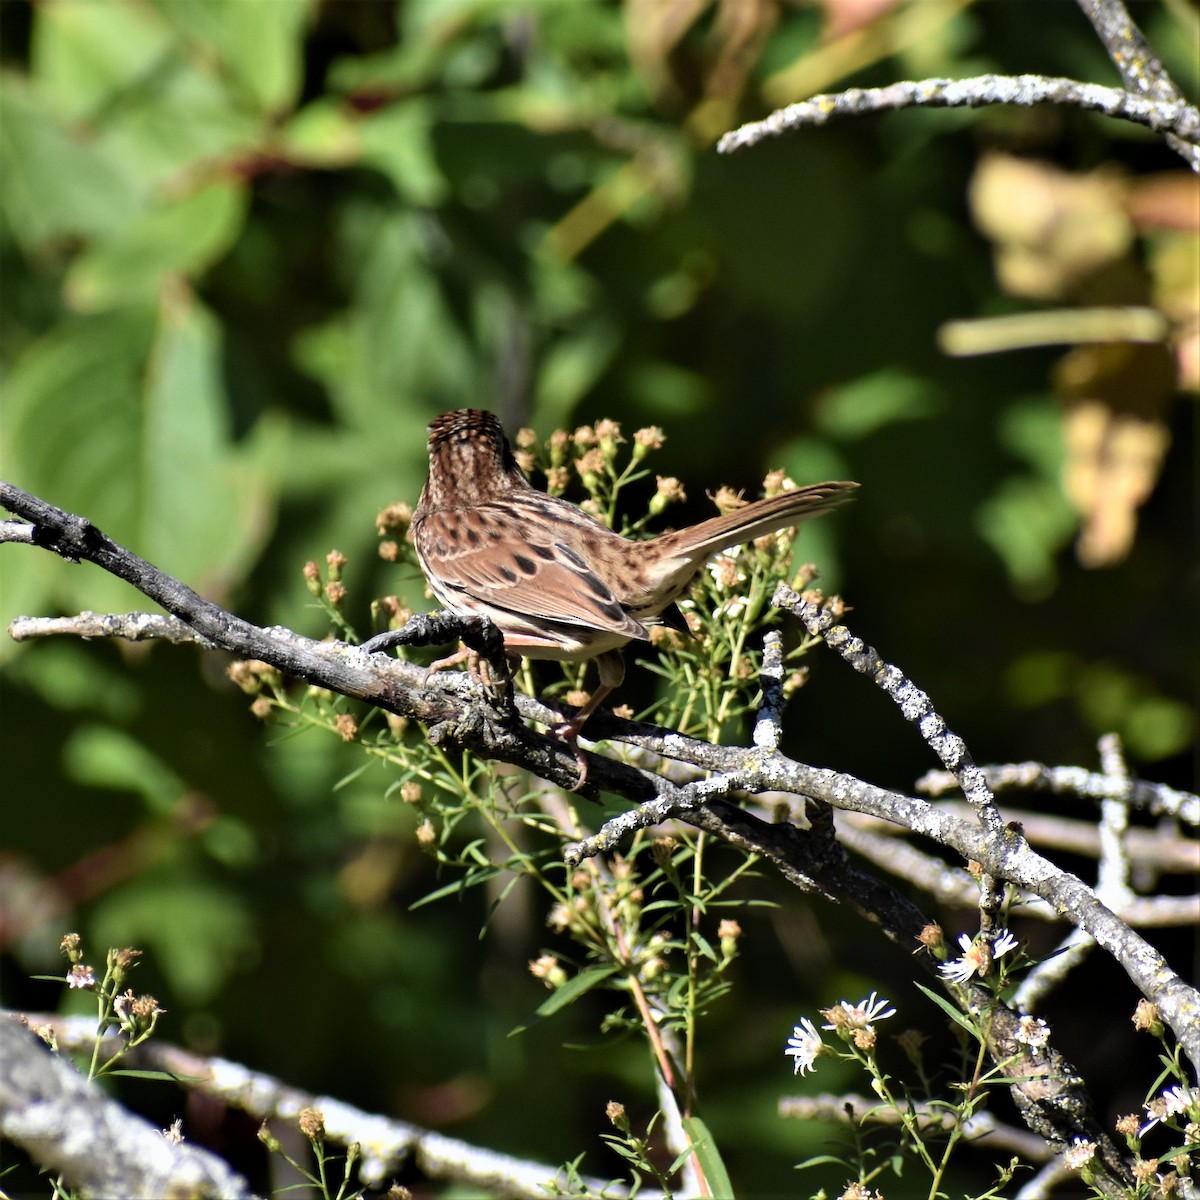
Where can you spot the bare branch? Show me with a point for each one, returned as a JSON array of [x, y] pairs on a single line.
[[1167, 116], [1159, 850], [130, 627], [768, 723], [913, 703], [982, 1129], [1156, 798], [1138, 64], [876, 841], [68, 1125], [391, 685], [16, 531], [386, 1144]]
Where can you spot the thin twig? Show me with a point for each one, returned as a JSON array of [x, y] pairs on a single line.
[[1139, 65], [1167, 116], [16, 531], [129, 627], [1155, 798], [768, 722]]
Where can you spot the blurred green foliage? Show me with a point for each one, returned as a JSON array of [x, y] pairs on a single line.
[[249, 247]]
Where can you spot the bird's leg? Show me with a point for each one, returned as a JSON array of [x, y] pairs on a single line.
[[611, 666]]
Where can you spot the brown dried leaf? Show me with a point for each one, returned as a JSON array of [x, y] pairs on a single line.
[[1053, 231], [1115, 439], [848, 16]]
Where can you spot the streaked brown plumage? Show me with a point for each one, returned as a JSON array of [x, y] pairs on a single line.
[[557, 582]]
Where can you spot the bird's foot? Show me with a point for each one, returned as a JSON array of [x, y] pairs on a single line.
[[567, 732]]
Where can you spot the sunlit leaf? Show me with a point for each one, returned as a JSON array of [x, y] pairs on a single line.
[[41, 194], [182, 236]]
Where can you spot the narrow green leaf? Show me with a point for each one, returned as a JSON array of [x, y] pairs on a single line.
[[711, 1163], [161, 1076], [950, 1011], [456, 888], [574, 988], [571, 990], [820, 1160]]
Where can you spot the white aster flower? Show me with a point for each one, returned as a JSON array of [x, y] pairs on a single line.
[[1174, 1102], [1004, 943], [726, 571], [976, 955], [81, 976], [860, 1015], [804, 1045], [732, 608], [1033, 1032], [1079, 1155]]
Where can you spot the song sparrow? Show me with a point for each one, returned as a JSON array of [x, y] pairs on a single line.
[[557, 582]]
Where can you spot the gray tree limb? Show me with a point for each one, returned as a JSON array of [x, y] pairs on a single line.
[[1140, 67], [69, 1126]]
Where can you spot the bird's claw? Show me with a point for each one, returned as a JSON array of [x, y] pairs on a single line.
[[568, 733]]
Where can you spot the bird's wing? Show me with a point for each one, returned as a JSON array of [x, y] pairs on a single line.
[[534, 569]]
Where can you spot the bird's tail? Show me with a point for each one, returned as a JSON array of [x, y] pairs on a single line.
[[699, 542]]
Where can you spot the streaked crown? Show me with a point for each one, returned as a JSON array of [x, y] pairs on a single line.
[[470, 460]]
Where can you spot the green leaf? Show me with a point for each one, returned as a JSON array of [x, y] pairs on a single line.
[[571, 366], [260, 43], [69, 431], [819, 1160], [324, 133], [873, 402], [1027, 521], [101, 756], [85, 56], [124, 419], [178, 125], [455, 888], [574, 988], [949, 1009], [704, 946], [569, 992], [197, 932], [161, 1076], [711, 1164], [398, 140], [180, 236], [202, 507], [53, 186]]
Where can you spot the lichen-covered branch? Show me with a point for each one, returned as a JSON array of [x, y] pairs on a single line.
[[69, 1126], [1173, 117], [1156, 798], [1140, 67], [386, 1144]]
